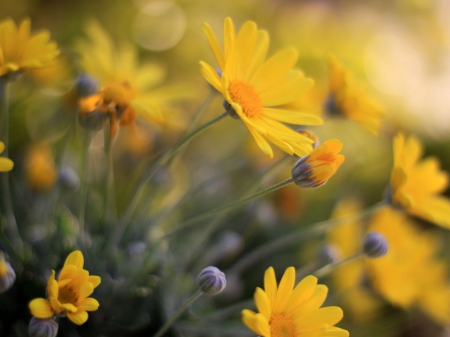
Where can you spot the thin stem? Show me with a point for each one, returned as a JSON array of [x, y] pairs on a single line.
[[189, 223], [180, 310], [327, 269], [162, 160], [84, 182], [6, 205], [297, 236], [110, 195]]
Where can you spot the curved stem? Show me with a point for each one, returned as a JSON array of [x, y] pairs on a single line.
[[180, 310], [162, 160], [110, 194], [189, 223], [84, 183], [325, 270], [6, 205], [297, 236]]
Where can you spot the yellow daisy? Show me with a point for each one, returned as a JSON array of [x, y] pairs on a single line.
[[19, 51], [348, 99], [285, 311], [5, 163], [255, 89], [127, 88], [320, 165], [416, 184], [69, 295]]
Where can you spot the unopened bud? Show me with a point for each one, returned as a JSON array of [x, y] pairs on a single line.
[[211, 281], [7, 275], [86, 86], [68, 179], [40, 327], [375, 245]]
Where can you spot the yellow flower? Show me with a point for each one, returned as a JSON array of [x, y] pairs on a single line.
[[69, 294], [127, 88], [19, 51], [40, 170], [256, 89], [285, 311], [350, 100], [415, 185], [7, 274], [320, 165], [5, 163]]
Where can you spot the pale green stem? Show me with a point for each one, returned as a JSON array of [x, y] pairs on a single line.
[[7, 206], [189, 223], [298, 236], [84, 183], [180, 310], [110, 195], [162, 160], [327, 269]]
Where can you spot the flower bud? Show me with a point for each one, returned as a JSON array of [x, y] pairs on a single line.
[[86, 86], [42, 327], [211, 281], [68, 179], [7, 275], [375, 245], [319, 166], [326, 254]]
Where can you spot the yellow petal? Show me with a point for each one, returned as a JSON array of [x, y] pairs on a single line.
[[41, 308], [263, 303], [284, 290], [270, 285], [79, 317], [76, 259], [88, 304]]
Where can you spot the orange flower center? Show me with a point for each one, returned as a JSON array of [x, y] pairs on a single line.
[[246, 96], [281, 326], [67, 295], [119, 93]]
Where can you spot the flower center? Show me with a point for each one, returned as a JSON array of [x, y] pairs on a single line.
[[119, 93], [246, 96], [281, 326], [67, 295]]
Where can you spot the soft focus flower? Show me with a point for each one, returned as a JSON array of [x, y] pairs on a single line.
[[127, 88], [375, 245], [348, 99], [285, 311], [415, 185], [255, 90], [320, 165], [19, 51], [42, 327], [40, 170], [7, 274], [5, 163], [69, 294], [410, 273]]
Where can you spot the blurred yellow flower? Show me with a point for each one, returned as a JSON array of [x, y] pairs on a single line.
[[5, 163], [415, 185], [255, 90], [348, 99], [410, 273], [127, 88], [19, 51], [320, 165], [285, 311], [40, 170], [69, 294]]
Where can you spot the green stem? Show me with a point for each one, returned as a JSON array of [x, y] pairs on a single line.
[[110, 195], [327, 269], [6, 205], [298, 236], [162, 160], [84, 183], [189, 223], [180, 310]]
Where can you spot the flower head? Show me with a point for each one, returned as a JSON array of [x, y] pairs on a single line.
[[69, 294], [7, 274], [40, 169], [285, 311], [127, 88], [320, 165], [415, 185], [19, 51], [256, 89], [5, 163], [348, 99]]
